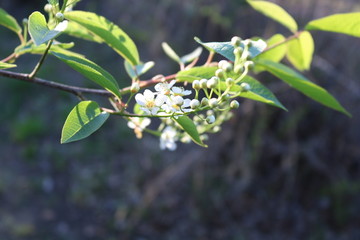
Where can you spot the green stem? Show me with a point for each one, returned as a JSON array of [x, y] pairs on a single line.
[[38, 65]]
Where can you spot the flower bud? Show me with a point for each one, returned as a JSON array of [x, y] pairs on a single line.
[[245, 87], [219, 73], [248, 43], [212, 82], [25, 21], [59, 16], [234, 104], [178, 100], [222, 63], [238, 51], [194, 104], [235, 41], [229, 82], [135, 87], [216, 129], [210, 119], [196, 84], [48, 7], [249, 65], [204, 101], [204, 137], [225, 97], [238, 69], [213, 102], [203, 83]]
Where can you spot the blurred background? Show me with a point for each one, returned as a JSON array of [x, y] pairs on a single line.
[[269, 174]]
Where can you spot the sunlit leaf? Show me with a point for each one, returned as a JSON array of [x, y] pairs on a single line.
[[138, 70], [170, 52], [83, 120], [191, 56], [76, 30], [196, 73], [301, 50], [346, 23], [302, 84], [4, 65], [39, 31], [91, 71], [109, 32], [189, 127], [275, 12]]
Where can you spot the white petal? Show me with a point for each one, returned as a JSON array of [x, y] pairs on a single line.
[[145, 122], [131, 125], [154, 110], [160, 99], [140, 99], [186, 103], [149, 95], [172, 83], [186, 92], [176, 90]]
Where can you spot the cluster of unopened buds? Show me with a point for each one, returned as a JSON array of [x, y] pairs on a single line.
[[208, 104]]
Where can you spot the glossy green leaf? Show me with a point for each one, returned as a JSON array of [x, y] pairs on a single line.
[[275, 12], [191, 56], [110, 33], [189, 127], [196, 73], [226, 48], [346, 23], [302, 84], [4, 65], [301, 50], [91, 71], [83, 120], [39, 31], [276, 52], [33, 49], [76, 30], [138, 70], [9, 22], [257, 92], [170, 52]]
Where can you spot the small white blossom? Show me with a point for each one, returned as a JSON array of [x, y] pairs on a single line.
[[180, 91], [149, 104], [168, 138], [176, 104], [164, 87], [138, 124]]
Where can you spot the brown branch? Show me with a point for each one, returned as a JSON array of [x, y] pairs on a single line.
[[288, 39], [78, 91]]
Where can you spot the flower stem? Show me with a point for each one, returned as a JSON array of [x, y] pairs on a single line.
[[38, 65]]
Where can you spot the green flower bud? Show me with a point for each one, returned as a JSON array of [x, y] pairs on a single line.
[[238, 69], [222, 63], [229, 82], [204, 137], [238, 51], [213, 102], [235, 41], [234, 104], [216, 129], [203, 83], [248, 43], [245, 87], [135, 87], [196, 85], [212, 82], [225, 97], [194, 104], [210, 119], [249, 65], [25, 21], [219, 73], [59, 16], [204, 101]]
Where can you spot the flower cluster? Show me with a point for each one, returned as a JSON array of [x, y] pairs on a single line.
[[211, 105]]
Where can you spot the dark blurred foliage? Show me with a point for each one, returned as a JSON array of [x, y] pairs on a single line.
[[268, 174]]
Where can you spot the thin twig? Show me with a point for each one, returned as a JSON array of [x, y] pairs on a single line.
[[38, 65], [8, 58], [288, 39]]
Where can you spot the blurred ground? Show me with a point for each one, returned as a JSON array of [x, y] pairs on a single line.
[[268, 175]]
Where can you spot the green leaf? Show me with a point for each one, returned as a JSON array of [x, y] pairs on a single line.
[[189, 127], [302, 84], [275, 53], [301, 50], [138, 70], [39, 31], [275, 12], [83, 120], [170, 52], [9, 22], [346, 23], [226, 48], [196, 73], [110, 33], [33, 49], [191, 56], [4, 65], [76, 30], [257, 92], [91, 71], [53, 2]]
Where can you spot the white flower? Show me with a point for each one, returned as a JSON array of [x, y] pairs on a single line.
[[164, 87], [180, 91], [149, 104], [168, 139], [138, 124], [176, 104]]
